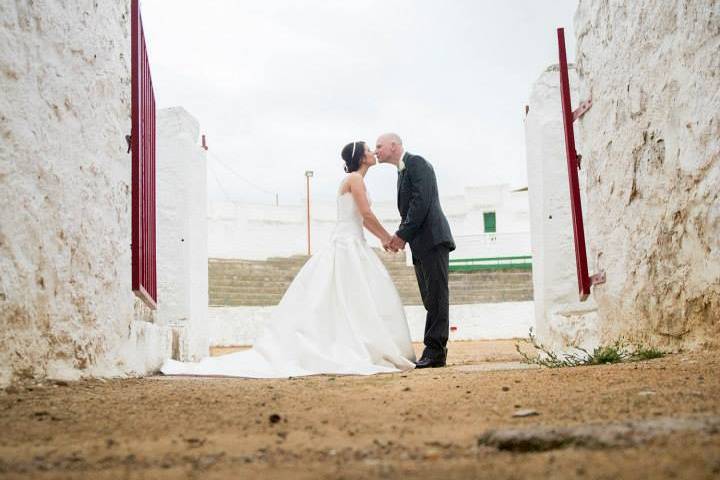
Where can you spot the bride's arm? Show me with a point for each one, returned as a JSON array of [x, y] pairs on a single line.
[[370, 221]]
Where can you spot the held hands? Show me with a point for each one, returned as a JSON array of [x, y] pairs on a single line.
[[394, 244], [397, 243]]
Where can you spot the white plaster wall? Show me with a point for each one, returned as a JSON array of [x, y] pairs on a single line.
[[249, 231], [233, 326], [561, 319], [491, 245], [66, 305], [197, 345], [237, 230], [652, 154], [510, 207], [182, 231]]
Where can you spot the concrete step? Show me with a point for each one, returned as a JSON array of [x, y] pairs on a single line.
[[263, 283], [270, 276], [517, 293], [237, 296], [401, 287], [271, 301]]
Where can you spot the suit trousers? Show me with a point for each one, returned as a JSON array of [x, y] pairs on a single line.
[[431, 271]]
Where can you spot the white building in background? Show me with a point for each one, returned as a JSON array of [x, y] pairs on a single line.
[[486, 221], [490, 222]]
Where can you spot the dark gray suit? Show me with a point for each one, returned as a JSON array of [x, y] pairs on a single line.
[[425, 228]]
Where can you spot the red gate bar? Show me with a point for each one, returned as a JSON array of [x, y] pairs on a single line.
[[144, 268], [572, 165]]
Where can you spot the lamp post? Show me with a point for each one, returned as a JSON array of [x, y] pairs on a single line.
[[308, 174]]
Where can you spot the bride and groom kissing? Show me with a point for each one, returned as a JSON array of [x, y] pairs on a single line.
[[342, 314]]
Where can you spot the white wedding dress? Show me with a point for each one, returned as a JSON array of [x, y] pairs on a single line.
[[341, 315]]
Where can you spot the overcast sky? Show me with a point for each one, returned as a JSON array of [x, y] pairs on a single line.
[[280, 86]]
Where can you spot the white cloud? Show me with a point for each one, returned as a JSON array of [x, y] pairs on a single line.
[[279, 86]]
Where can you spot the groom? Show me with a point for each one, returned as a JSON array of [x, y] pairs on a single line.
[[424, 226]]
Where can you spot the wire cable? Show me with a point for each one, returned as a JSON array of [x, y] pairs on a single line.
[[231, 170]]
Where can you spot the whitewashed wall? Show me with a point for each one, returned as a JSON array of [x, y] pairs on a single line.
[[651, 150], [238, 230], [560, 318], [182, 231], [66, 306]]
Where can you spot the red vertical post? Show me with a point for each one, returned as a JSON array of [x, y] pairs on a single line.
[[144, 264], [572, 165], [153, 193]]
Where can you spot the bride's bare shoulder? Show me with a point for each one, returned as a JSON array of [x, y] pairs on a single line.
[[352, 180], [355, 178], [346, 184]]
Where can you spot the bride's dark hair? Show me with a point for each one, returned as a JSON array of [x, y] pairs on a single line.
[[352, 161]]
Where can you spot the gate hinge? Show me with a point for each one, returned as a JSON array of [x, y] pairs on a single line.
[[577, 113], [597, 278], [128, 139], [584, 107]]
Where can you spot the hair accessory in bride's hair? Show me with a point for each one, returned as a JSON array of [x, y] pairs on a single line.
[[352, 155]]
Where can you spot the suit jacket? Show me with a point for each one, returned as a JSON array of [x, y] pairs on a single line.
[[423, 224]]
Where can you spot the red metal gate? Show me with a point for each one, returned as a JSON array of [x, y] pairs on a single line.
[[144, 268], [569, 116]]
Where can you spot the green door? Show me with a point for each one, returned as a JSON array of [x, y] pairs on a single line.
[[489, 221]]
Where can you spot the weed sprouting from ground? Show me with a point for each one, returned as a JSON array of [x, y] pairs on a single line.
[[647, 353], [615, 353]]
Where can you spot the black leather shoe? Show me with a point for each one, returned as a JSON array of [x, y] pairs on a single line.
[[432, 354], [431, 359], [430, 362]]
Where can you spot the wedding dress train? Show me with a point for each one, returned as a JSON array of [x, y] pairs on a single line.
[[341, 315]]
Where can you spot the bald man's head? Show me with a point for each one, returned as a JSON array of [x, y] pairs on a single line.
[[389, 148], [392, 137]]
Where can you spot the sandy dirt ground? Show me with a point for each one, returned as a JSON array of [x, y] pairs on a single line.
[[652, 419]]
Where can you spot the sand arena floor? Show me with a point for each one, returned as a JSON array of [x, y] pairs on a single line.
[[653, 419]]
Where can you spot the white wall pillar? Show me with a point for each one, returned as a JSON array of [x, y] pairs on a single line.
[[560, 318], [182, 232]]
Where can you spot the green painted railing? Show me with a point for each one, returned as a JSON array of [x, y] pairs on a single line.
[[493, 263]]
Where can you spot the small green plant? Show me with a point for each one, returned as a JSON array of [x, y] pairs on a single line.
[[615, 353], [646, 353]]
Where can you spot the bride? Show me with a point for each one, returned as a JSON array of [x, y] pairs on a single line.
[[341, 314]]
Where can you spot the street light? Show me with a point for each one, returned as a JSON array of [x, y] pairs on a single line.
[[308, 174]]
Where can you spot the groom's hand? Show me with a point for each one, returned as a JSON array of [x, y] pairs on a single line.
[[396, 243], [386, 245]]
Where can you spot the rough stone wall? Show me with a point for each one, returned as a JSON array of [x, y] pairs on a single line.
[[561, 319], [66, 306], [182, 231], [651, 165]]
